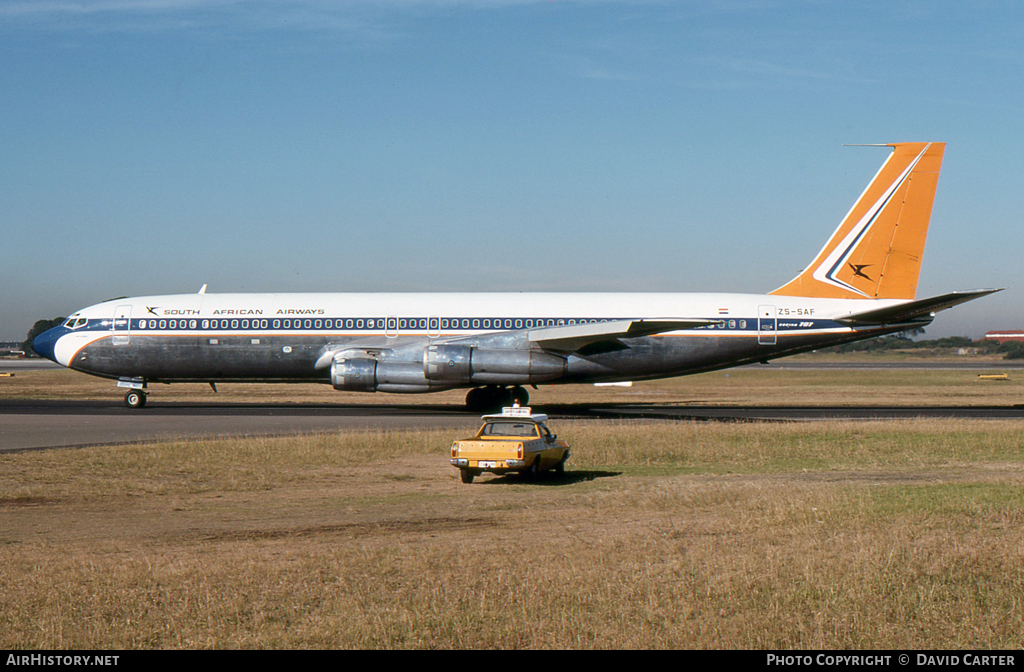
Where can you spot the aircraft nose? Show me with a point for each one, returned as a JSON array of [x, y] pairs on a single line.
[[45, 343]]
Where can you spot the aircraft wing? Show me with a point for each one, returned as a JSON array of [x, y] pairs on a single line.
[[575, 336], [914, 310], [328, 353]]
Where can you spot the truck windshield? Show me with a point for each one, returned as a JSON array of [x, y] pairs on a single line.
[[509, 429]]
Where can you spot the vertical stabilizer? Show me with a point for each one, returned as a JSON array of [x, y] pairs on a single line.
[[876, 251]]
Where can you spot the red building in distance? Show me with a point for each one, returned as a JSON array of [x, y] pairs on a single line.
[[1005, 335]]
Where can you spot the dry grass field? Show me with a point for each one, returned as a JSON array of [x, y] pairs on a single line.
[[904, 534]]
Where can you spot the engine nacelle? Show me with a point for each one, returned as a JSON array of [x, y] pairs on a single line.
[[357, 375], [447, 362], [362, 374], [467, 364]]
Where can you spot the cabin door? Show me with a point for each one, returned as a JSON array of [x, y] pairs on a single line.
[[766, 325], [122, 324]]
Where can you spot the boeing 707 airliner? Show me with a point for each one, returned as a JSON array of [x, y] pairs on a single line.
[[862, 284]]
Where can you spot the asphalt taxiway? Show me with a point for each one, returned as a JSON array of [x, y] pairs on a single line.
[[35, 424], [26, 364], [37, 364], [32, 424]]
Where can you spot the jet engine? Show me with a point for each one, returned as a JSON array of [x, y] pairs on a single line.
[[467, 364], [362, 374]]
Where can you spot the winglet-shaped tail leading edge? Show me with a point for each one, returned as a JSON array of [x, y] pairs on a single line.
[[876, 251]]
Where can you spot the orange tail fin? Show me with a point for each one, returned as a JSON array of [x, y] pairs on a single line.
[[876, 251]]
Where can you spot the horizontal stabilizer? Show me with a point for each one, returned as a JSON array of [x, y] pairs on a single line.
[[575, 336], [913, 310]]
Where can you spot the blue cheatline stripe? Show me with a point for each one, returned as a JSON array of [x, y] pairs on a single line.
[[379, 324]]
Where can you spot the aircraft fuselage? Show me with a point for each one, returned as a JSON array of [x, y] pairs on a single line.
[[285, 337]]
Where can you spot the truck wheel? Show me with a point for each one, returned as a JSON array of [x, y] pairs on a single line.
[[535, 468], [467, 476]]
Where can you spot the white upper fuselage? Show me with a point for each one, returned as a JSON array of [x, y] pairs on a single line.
[[556, 305], [448, 315]]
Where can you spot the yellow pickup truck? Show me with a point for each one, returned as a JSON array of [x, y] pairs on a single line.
[[514, 440]]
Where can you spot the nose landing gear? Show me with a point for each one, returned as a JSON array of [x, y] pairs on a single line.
[[135, 399]]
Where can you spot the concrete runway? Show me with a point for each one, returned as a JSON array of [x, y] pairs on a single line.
[[32, 424]]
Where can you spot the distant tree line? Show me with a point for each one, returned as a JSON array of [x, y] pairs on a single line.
[[902, 341], [39, 327]]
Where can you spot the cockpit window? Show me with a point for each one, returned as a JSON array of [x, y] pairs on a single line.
[[80, 322], [69, 323]]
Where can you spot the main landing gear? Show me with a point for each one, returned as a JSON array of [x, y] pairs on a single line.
[[135, 399], [493, 398]]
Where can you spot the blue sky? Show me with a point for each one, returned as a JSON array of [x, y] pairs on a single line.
[[152, 147]]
